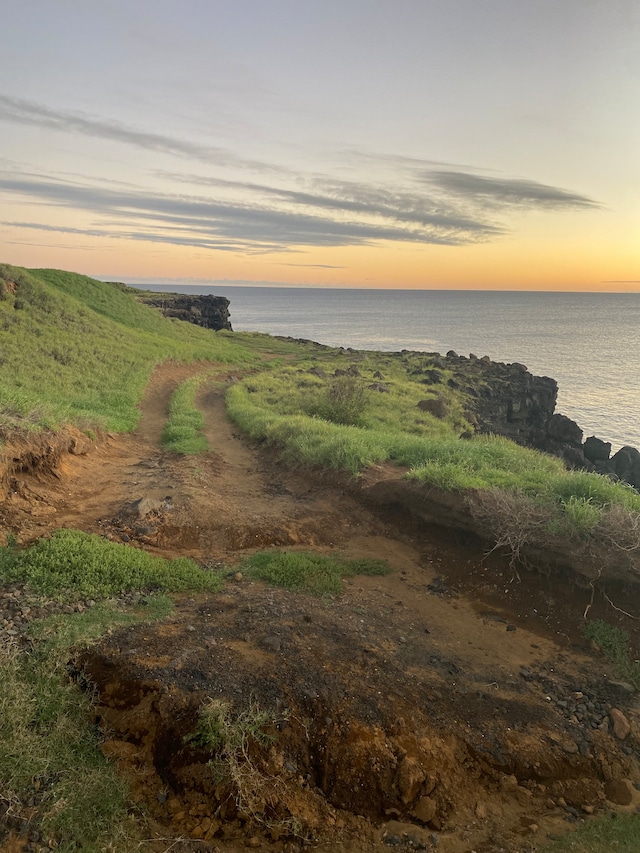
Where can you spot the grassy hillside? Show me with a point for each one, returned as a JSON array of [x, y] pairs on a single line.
[[76, 350]]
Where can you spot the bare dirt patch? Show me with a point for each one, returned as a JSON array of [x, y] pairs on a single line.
[[445, 704]]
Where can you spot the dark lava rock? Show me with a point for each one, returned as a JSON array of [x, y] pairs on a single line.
[[596, 450], [211, 312], [436, 406]]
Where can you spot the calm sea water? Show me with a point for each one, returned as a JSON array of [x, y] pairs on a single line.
[[589, 343]]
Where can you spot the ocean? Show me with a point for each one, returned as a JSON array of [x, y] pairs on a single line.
[[588, 342]]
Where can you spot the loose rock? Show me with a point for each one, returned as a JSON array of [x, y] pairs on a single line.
[[621, 726]]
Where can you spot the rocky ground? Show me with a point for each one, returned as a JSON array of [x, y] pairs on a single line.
[[447, 705]]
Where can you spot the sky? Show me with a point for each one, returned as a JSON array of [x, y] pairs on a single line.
[[463, 144]]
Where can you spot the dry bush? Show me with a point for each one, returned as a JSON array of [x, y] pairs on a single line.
[[512, 518], [610, 547], [620, 528]]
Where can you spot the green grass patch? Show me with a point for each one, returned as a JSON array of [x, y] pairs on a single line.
[[318, 574], [46, 738], [183, 431], [72, 565], [615, 646], [49, 746], [619, 833], [64, 631], [81, 351]]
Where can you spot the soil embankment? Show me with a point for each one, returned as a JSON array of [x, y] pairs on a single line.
[[445, 704]]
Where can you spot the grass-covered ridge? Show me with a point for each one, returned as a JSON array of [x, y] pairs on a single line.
[[183, 431], [359, 417], [349, 411], [81, 351]]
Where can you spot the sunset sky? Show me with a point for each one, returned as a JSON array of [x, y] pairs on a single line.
[[490, 144]]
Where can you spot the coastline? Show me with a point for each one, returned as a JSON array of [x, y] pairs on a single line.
[[586, 342]]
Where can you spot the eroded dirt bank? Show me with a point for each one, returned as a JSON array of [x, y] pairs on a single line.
[[446, 704]]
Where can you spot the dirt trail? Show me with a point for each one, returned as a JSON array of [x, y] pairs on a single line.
[[441, 704]]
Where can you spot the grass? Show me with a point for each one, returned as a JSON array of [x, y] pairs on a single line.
[[72, 565], [49, 746], [614, 644], [75, 350], [619, 833], [318, 574], [183, 431]]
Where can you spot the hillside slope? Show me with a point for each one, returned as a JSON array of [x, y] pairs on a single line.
[[81, 351]]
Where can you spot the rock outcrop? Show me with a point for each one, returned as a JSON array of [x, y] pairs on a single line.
[[211, 312], [508, 400]]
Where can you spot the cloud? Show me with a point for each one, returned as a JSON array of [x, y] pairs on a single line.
[[503, 192], [351, 197], [316, 266], [302, 220], [413, 200], [19, 111]]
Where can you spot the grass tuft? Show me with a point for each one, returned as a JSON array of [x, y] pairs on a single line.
[[318, 574], [615, 646], [616, 832], [72, 565]]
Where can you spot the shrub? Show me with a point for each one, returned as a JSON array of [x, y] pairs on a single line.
[[233, 738], [344, 400]]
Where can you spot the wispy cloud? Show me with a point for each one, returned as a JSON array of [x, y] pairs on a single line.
[[256, 225], [20, 111], [505, 191], [412, 200], [315, 266]]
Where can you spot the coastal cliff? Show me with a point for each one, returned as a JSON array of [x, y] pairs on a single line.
[[505, 399], [210, 312]]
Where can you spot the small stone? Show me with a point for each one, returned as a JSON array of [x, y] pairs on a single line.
[[588, 809], [533, 827], [238, 576], [622, 687], [511, 628], [621, 727], [425, 810], [253, 842], [618, 791], [481, 811]]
